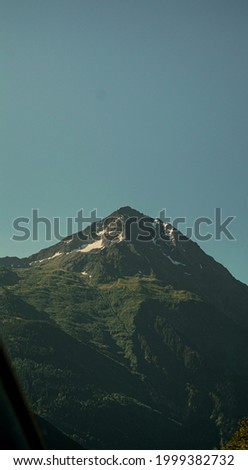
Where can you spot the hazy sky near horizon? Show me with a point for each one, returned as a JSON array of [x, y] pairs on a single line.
[[125, 102]]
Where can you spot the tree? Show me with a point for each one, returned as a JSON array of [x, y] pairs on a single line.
[[239, 440]]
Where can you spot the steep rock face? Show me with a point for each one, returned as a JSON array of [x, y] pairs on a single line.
[[129, 335]]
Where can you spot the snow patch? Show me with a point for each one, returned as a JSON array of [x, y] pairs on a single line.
[[55, 255], [101, 233], [121, 237], [49, 257], [68, 241], [156, 222], [177, 263], [84, 273], [92, 246], [173, 261]]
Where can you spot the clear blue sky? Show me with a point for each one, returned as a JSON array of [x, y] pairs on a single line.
[[125, 102]]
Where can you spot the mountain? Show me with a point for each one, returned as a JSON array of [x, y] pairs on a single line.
[[127, 335], [53, 438]]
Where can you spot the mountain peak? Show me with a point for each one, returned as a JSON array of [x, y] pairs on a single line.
[[126, 212]]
